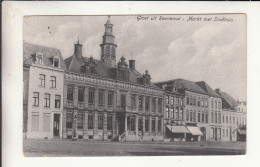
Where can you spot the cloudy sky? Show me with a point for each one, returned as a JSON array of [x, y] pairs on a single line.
[[213, 51]]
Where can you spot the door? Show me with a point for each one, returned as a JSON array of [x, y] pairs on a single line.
[[203, 130], [56, 125], [216, 134], [123, 101]]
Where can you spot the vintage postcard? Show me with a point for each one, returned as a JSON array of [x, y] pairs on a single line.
[[135, 85]]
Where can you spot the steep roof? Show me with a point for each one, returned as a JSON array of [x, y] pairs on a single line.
[[182, 83], [48, 53], [207, 88], [227, 101], [73, 64]]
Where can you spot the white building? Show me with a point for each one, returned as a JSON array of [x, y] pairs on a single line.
[[43, 71]]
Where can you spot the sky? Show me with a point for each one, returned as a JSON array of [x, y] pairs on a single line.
[[191, 47]]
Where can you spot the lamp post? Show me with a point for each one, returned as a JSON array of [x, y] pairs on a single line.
[[75, 128]]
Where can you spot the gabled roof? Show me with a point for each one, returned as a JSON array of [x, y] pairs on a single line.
[[227, 101], [207, 88], [182, 83], [48, 53]]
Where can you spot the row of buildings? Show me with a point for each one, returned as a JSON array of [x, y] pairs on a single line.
[[84, 98]]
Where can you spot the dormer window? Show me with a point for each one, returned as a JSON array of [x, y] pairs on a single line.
[[39, 58], [56, 62]]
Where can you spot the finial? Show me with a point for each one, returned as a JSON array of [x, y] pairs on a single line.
[[131, 56], [78, 39]]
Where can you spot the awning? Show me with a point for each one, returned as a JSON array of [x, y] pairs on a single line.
[[194, 130], [242, 132], [177, 129]]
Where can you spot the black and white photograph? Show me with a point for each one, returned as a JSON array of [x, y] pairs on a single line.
[[134, 85]]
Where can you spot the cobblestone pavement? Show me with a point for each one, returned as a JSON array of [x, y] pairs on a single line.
[[68, 148]]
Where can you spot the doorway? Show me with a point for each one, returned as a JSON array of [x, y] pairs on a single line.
[[56, 126]]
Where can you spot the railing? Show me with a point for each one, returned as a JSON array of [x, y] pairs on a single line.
[[122, 136], [123, 108], [140, 137], [70, 104], [81, 105]]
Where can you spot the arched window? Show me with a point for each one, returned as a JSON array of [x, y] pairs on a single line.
[[191, 116], [108, 51]]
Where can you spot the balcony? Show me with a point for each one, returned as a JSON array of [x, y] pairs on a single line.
[[81, 105], [70, 104], [122, 108]]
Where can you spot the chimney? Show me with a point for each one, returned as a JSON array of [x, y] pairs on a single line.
[[218, 90], [132, 64], [78, 49]]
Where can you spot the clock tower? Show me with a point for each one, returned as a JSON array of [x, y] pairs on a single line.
[[108, 47]]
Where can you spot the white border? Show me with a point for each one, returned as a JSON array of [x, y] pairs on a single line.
[[12, 21]]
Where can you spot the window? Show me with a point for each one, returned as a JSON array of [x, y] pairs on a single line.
[[109, 122], [167, 99], [81, 94], [202, 102], [194, 101], [91, 96], [223, 132], [226, 119], [187, 115], [80, 120], [132, 123], [191, 116], [198, 102], [194, 116], [153, 105], [133, 102], [146, 124], [159, 125], [69, 121], [160, 105], [219, 118], [113, 52], [147, 103], [35, 99], [53, 82], [212, 103], [176, 116], [56, 62], [57, 101], [171, 114], [177, 101], [226, 132], [42, 80], [47, 100], [70, 94], [198, 117], [171, 98], [191, 101], [212, 118], [187, 101], [207, 118], [140, 101], [107, 51], [223, 119], [35, 122], [100, 98], [216, 118], [167, 112], [202, 118], [230, 120], [100, 121], [153, 125], [181, 102], [90, 121], [140, 124], [181, 114], [110, 98], [39, 58]]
